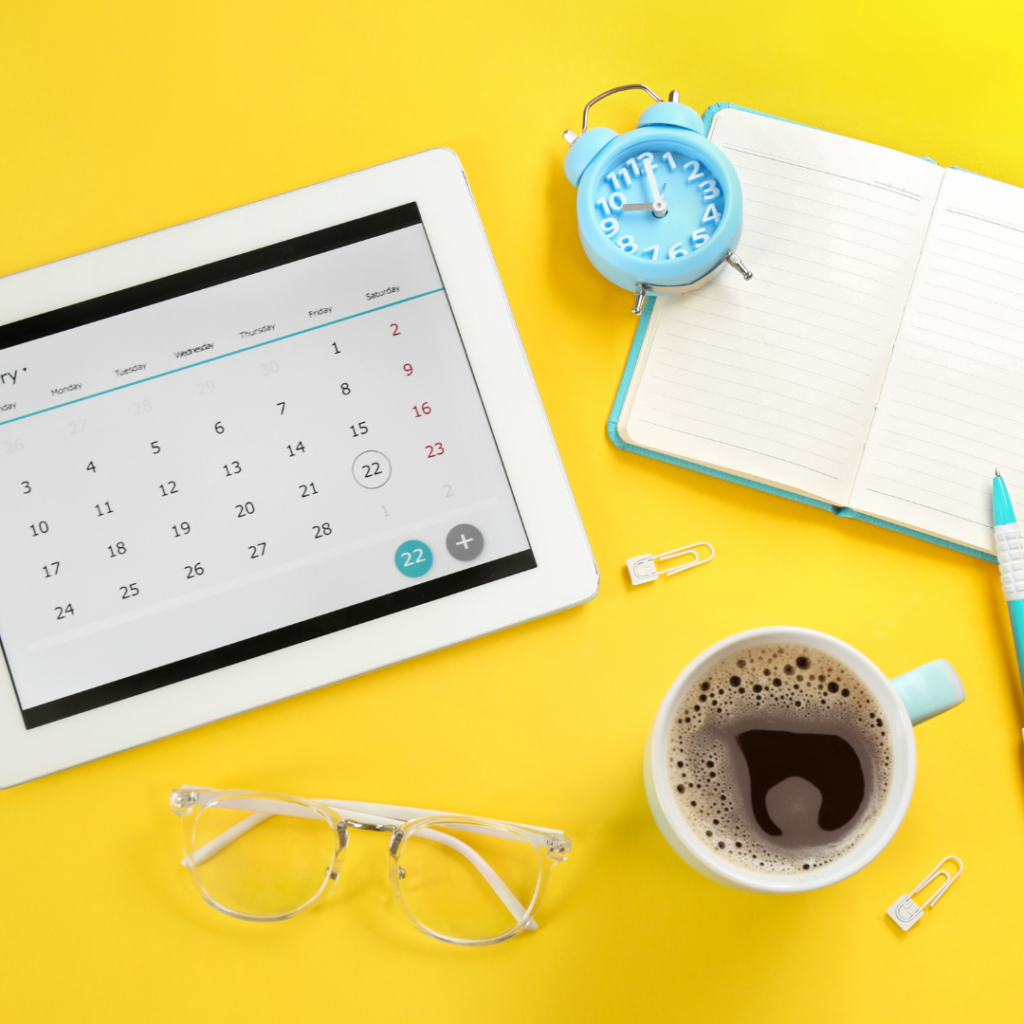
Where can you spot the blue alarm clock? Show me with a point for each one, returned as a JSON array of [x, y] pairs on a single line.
[[660, 208]]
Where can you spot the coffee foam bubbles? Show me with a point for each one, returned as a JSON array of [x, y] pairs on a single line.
[[790, 688]]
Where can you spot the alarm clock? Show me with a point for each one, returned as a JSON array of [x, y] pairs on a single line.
[[660, 208]]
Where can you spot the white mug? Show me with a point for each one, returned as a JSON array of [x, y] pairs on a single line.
[[907, 700]]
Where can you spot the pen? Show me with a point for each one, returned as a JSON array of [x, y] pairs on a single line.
[[1010, 552]]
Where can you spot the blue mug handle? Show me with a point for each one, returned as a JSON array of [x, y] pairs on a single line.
[[929, 690]]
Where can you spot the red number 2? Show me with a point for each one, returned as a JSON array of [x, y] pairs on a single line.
[[395, 332]]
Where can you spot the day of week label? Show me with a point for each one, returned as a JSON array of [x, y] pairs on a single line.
[[130, 369], [258, 330]]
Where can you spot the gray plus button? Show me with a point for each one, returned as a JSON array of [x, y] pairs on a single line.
[[464, 542]]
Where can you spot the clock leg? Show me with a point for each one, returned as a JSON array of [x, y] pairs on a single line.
[[737, 264]]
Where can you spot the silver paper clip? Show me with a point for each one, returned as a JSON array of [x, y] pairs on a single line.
[[642, 568], [906, 913]]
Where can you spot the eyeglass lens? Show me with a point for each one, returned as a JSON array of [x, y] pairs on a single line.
[[275, 866], [466, 884]]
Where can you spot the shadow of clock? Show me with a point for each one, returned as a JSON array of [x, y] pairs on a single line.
[[804, 787]]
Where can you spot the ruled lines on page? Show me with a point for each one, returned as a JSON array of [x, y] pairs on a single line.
[[952, 406], [776, 378]]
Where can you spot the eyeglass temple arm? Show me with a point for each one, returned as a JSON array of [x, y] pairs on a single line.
[[353, 808], [236, 831], [378, 814], [226, 838], [501, 890], [261, 810]]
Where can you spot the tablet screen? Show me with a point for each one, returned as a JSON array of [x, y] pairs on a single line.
[[239, 458]]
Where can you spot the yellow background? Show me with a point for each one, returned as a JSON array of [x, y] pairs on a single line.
[[122, 118]]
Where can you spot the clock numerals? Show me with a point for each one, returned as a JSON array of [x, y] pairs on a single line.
[[613, 177], [643, 166], [612, 203], [694, 168], [634, 167], [709, 189]]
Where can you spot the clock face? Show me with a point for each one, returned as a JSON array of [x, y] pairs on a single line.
[[659, 204]]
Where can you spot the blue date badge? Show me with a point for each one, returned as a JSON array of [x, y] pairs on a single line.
[[414, 558]]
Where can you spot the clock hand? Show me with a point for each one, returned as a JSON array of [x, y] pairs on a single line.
[[659, 207]]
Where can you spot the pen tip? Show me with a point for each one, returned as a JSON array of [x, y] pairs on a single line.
[[998, 473]]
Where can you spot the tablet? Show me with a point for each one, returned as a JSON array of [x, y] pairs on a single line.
[[254, 454]]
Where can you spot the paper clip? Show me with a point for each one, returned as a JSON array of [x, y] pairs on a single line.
[[642, 568], [906, 913]]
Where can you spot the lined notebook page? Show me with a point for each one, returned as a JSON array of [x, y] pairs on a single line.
[[776, 378], [952, 406]]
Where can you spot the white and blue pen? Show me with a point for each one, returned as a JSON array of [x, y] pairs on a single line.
[[1010, 552]]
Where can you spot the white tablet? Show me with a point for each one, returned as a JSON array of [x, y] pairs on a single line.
[[261, 452]]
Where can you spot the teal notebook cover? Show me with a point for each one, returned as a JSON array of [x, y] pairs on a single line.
[[627, 376]]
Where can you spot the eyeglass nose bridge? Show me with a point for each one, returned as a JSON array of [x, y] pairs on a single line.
[[396, 832], [366, 827]]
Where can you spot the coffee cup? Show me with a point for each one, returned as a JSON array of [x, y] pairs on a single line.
[[898, 705]]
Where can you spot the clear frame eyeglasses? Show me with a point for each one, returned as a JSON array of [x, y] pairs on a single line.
[[267, 857]]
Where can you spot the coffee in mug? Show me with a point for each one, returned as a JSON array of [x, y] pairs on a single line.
[[783, 760], [780, 758]]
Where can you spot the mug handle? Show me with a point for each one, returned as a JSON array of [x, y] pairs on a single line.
[[929, 690]]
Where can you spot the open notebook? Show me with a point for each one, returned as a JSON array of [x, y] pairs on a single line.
[[874, 364]]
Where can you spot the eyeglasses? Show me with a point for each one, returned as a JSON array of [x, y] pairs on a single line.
[[267, 857]]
